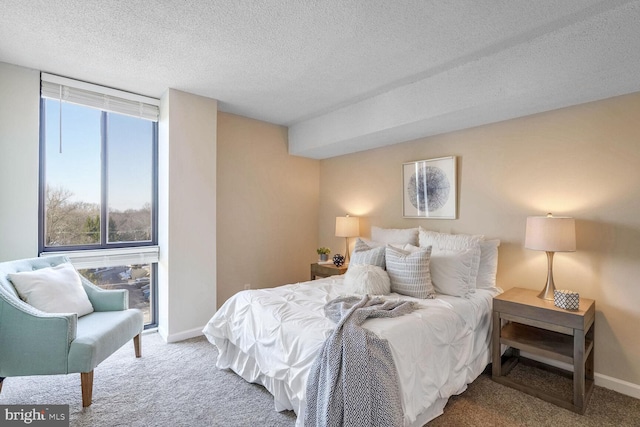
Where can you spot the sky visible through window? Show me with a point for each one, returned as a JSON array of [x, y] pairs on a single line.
[[77, 168]]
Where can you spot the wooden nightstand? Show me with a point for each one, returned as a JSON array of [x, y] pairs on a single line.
[[525, 322], [326, 270]]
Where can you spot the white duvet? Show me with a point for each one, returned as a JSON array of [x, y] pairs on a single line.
[[272, 336]]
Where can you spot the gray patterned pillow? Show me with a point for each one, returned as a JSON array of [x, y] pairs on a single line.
[[364, 254], [409, 272]]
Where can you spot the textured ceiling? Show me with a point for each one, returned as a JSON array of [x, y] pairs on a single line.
[[312, 65]]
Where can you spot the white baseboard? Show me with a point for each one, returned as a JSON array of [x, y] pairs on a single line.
[[180, 336], [615, 384], [621, 386]]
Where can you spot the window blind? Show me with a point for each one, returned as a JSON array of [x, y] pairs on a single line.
[[100, 97], [96, 258]]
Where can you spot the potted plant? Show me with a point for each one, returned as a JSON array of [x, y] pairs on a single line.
[[323, 253]]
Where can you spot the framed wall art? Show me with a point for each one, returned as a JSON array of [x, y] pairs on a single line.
[[429, 188]]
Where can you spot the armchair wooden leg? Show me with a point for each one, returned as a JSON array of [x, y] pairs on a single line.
[[1, 379], [86, 381], [137, 345]]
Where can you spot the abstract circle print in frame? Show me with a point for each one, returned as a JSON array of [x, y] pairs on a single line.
[[433, 182]]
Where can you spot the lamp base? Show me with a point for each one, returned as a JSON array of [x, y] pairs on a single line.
[[346, 251], [547, 292]]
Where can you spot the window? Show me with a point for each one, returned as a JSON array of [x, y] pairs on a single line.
[[98, 185], [136, 278]]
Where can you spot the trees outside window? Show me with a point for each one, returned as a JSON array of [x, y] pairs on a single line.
[[99, 169]]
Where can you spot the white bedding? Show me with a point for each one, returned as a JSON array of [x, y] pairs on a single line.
[[271, 337]]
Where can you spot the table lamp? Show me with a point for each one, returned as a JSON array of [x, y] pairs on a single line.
[[550, 234], [347, 226]]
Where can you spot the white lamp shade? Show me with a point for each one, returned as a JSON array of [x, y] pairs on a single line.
[[551, 234], [347, 226]]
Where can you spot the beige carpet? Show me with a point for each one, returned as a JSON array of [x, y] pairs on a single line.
[[487, 403], [178, 385]]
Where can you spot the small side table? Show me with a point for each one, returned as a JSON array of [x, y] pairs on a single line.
[[326, 270], [525, 322]]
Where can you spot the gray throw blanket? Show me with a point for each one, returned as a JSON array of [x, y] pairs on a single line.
[[353, 381]]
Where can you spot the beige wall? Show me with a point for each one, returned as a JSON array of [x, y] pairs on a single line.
[[19, 142], [267, 207], [582, 161], [186, 214]]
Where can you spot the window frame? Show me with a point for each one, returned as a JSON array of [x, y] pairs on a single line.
[[104, 214]]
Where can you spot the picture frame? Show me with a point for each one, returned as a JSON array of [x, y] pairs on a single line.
[[429, 188]]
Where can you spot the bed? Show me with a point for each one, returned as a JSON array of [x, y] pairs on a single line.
[[272, 336]]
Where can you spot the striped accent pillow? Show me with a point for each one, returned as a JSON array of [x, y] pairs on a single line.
[[364, 254], [409, 272]]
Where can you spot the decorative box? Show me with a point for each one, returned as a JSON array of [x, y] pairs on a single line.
[[568, 300]]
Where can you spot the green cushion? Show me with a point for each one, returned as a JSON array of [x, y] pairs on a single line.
[[100, 334]]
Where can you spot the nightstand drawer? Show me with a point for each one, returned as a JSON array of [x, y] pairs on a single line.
[[524, 303], [536, 323]]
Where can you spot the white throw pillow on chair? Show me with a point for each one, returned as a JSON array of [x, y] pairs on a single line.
[[53, 289]]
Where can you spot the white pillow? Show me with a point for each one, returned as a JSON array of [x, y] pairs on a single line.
[[53, 289], [395, 235], [365, 254], [409, 272], [454, 242], [450, 242], [488, 264], [408, 248], [367, 280], [373, 244], [451, 272]]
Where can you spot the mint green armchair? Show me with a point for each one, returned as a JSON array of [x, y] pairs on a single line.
[[33, 342]]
